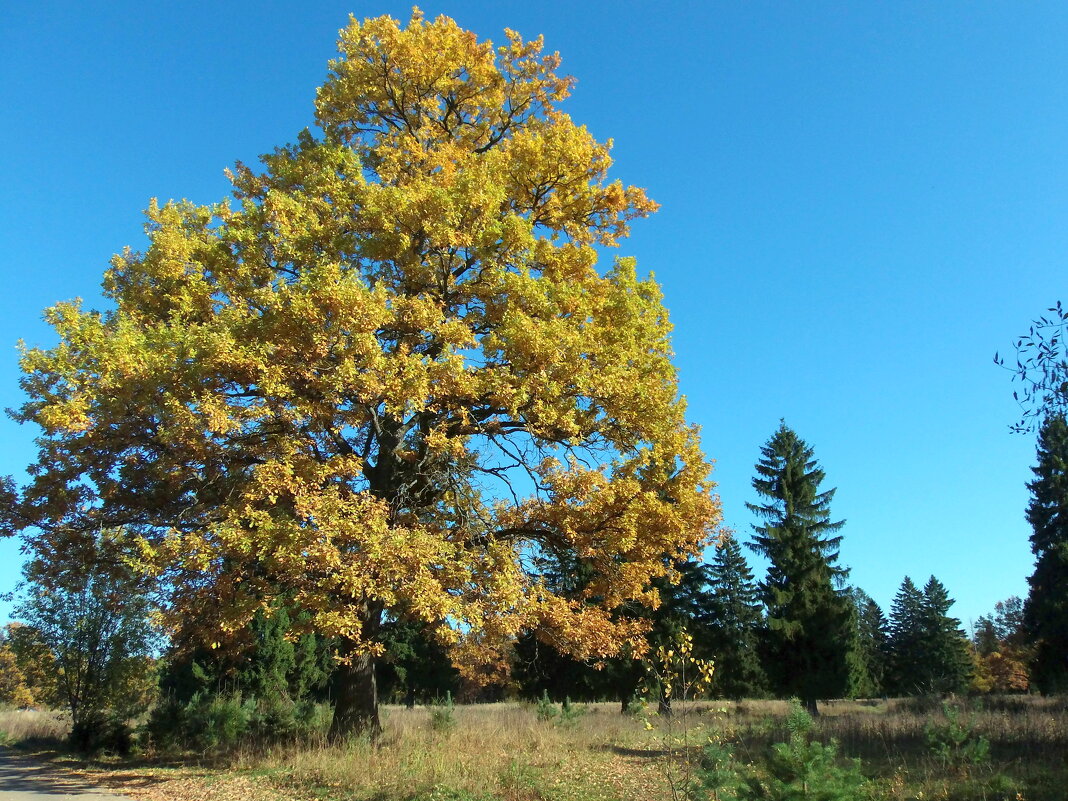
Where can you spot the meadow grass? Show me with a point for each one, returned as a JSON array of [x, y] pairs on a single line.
[[33, 726], [504, 752]]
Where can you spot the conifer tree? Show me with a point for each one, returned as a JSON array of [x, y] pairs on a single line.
[[869, 674], [1046, 609], [733, 623], [809, 625], [905, 642], [945, 664], [416, 666], [269, 660]]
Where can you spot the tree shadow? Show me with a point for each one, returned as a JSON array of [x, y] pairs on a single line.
[[35, 773]]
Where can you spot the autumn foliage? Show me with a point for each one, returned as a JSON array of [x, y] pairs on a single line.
[[388, 375]]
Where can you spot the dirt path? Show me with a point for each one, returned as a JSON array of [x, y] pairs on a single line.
[[23, 779]]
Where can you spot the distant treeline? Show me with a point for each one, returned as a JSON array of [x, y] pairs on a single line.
[[802, 631]]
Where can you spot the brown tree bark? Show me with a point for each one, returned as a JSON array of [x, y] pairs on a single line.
[[356, 690], [356, 699], [812, 707]]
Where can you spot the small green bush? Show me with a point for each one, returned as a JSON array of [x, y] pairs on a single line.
[[717, 776], [219, 722], [443, 715], [546, 710], [637, 706], [955, 743], [803, 769], [571, 714]]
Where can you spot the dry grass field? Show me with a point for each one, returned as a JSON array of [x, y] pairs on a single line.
[[504, 752], [30, 726]]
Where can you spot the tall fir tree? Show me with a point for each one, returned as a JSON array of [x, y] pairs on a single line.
[[928, 650], [733, 621], [868, 677], [1046, 609], [415, 666], [946, 663], [809, 621], [905, 641]]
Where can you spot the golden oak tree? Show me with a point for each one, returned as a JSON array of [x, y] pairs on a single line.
[[387, 377]]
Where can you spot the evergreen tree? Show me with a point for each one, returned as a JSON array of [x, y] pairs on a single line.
[[266, 661], [905, 642], [985, 636], [809, 621], [732, 623], [945, 665], [415, 667], [1046, 609], [538, 667], [929, 652], [869, 674]]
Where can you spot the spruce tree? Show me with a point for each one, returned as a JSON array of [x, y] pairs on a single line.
[[945, 665], [985, 636], [732, 622], [809, 624], [905, 642], [869, 674], [1046, 610], [415, 666]]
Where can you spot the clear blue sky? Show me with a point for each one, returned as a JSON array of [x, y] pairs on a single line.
[[861, 203]]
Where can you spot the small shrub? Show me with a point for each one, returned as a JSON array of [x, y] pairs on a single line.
[[804, 769], [315, 719], [218, 722], [570, 714], [546, 710], [207, 722], [955, 742], [717, 776], [519, 780], [637, 706], [442, 715]]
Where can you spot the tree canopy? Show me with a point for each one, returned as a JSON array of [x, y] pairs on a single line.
[[386, 375]]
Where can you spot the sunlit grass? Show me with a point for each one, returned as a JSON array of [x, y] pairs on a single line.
[[503, 752], [19, 726]]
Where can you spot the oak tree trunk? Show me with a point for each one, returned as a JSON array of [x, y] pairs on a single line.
[[356, 699], [356, 688]]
